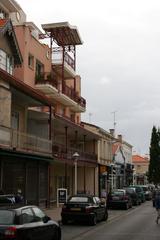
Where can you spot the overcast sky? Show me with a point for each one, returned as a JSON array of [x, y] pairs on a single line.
[[119, 62]]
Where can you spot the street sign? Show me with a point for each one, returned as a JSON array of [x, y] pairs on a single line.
[[61, 195]]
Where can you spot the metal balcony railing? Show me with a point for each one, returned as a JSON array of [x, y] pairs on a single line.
[[46, 78], [70, 92], [60, 151], [15, 139], [57, 58]]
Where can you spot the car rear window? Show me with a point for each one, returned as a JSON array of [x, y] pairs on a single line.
[[118, 193], [79, 199], [130, 190], [6, 217]]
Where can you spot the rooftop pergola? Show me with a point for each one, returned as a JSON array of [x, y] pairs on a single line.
[[62, 33]]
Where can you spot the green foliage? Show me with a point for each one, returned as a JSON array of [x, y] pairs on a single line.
[[154, 166]]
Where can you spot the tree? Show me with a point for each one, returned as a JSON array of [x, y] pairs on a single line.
[[154, 166]]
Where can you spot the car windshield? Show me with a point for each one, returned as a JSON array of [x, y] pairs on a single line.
[[6, 217], [79, 199], [145, 189]]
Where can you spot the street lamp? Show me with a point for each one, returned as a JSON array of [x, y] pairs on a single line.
[[75, 156], [112, 176]]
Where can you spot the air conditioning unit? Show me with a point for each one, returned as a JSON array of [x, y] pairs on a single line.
[[1, 15]]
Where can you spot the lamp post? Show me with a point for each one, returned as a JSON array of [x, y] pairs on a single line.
[[112, 176], [75, 156]]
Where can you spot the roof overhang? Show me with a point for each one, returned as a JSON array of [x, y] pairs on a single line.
[[6, 28], [64, 122], [63, 33], [11, 5], [24, 88]]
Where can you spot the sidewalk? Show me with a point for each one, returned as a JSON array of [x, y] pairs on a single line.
[[54, 212]]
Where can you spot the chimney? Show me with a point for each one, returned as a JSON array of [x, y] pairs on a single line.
[[112, 132], [120, 138]]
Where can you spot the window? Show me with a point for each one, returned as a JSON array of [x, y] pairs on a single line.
[[30, 61], [6, 217], [38, 213], [6, 62], [39, 68], [26, 216]]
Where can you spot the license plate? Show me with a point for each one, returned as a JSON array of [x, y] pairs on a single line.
[[115, 198], [75, 209]]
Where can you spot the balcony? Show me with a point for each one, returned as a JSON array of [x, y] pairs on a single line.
[[10, 138], [59, 152], [69, 63], [65, 95]]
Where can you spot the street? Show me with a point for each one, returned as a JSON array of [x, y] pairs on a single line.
[[137, 223]]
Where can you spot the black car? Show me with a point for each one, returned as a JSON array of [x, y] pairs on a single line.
[[119, 199], [27, 223], [84, 208], [136, 200]]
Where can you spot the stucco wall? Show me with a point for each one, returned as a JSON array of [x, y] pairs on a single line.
[[29, 45]]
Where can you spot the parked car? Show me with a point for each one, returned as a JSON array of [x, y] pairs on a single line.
[[140, 192], [119, 199], [147, 192], [136, 200], [27, 223], [7, 199], [84, 208]]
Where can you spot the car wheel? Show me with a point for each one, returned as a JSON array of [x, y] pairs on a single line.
[[57, 235], [126, 206], [93, 220], [105, 217]]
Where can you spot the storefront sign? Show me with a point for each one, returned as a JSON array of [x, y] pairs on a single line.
[[61, 195]]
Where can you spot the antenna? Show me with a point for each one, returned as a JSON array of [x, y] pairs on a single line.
[[114, 120], [90, 115]]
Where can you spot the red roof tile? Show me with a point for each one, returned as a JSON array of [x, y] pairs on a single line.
[[140, 159], [115, 147]]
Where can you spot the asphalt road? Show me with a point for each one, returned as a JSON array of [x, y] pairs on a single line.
[[137, 223]]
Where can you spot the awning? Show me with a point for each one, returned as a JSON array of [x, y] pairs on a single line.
[[11, 153]]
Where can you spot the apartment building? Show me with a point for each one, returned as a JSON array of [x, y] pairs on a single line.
[[122, 158], [141, 165], [50, 70], [24, 157], [105, 158]]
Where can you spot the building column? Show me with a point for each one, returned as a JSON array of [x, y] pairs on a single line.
[[66, 151]]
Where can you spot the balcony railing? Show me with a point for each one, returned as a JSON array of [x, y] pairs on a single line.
[[46, 78], [58, 57], [70, 92], [25, 142], [60, 151]]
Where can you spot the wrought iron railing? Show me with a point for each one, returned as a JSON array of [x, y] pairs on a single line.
[[57, 57], [60, 151], [22, 141], [70, 92], [46, 78]]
